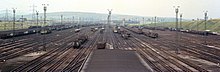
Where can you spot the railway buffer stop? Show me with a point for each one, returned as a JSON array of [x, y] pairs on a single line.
[[112, 60]]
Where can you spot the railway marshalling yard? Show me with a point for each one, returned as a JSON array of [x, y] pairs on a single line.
[[66, 51]]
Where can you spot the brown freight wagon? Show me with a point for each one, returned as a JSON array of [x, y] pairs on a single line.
[[101, 45]]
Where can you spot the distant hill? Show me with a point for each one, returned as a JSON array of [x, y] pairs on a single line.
[[90, 16], [213, 25]]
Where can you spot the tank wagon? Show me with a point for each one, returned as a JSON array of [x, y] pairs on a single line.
[[79, 41]]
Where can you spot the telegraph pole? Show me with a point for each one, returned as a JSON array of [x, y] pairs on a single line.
[[206, 34], [45, 9], [177, 34]]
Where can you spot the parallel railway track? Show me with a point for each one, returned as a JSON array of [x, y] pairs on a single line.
[[158, 53]]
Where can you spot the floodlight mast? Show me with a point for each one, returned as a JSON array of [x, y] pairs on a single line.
[[37, 13], [6, 19], [177, 29], [61, 19], [181, 15], [197, 24], [109, 16], [73, 20], [14, 10], [22, 21], [45, 9], [155, 22], [33, 14], [206, 33]]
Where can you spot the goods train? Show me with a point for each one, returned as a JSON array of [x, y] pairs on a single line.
[[140, 31], [16, 33], [151, 34], [32, 30], [79, 41], [182, 30], [207, 32], [136, 30], [156, 28], [198, 32]]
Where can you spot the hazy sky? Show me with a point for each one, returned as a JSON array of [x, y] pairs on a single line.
[[162, 8]]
